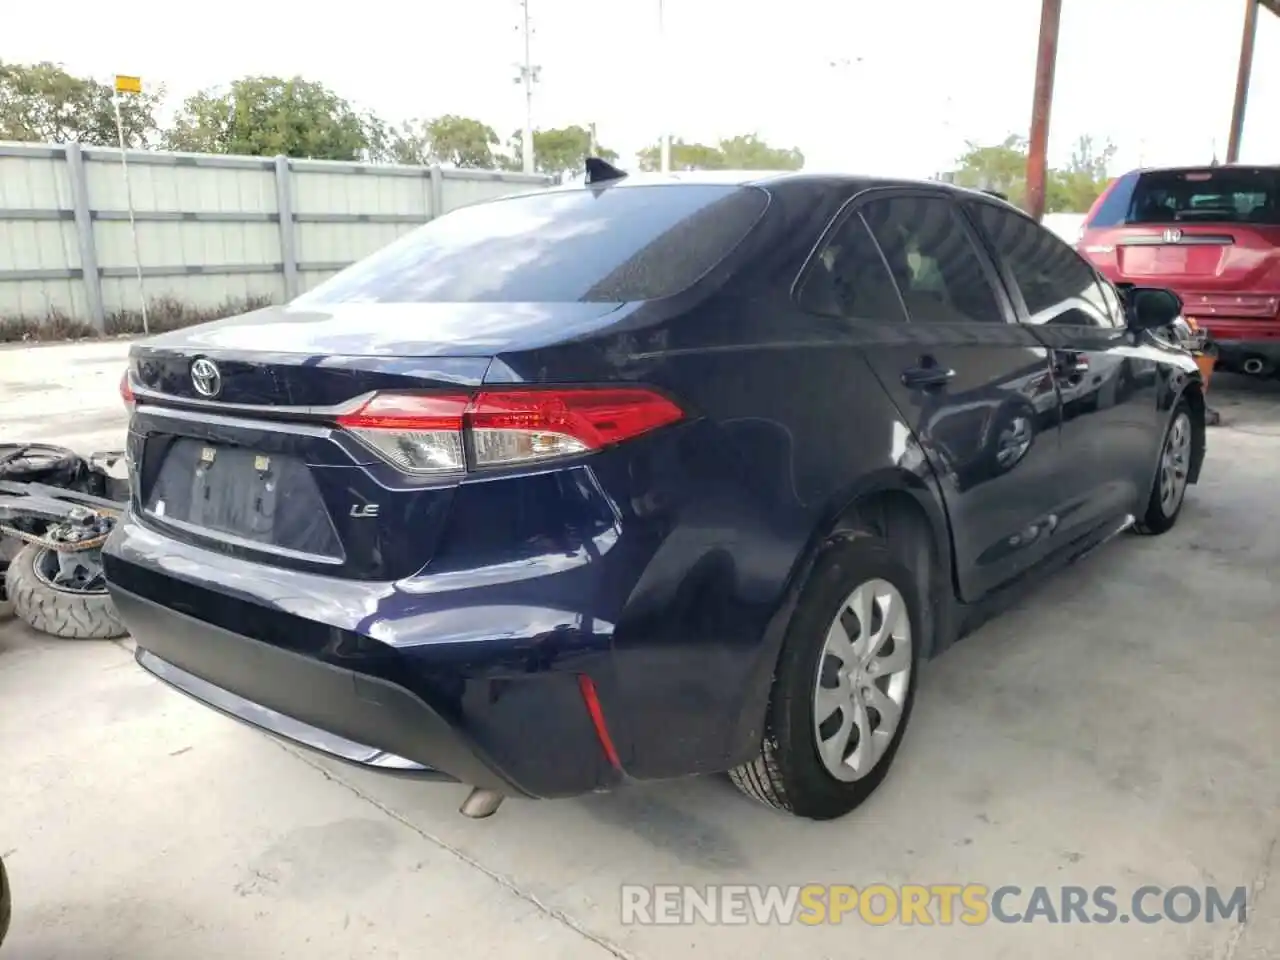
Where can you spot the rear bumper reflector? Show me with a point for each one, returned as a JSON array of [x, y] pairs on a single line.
[[592, 700]]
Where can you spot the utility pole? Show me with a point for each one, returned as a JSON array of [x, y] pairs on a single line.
[[662, 66], [1038, 146], [528, 76], [1243, 71]]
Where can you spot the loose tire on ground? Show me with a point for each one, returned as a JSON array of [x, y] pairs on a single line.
[[1159, 516], [789, 774], [70, 614], [6, 902]]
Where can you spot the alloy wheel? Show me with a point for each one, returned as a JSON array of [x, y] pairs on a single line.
[[1175, 460], [864, 674]]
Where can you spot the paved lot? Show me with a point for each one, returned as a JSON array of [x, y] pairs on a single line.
[[1118, 728]]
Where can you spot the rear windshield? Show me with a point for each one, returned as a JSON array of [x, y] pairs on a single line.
[[618, 243], [1216, 194]]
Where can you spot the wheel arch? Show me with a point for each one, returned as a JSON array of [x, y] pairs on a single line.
[[902, 508]]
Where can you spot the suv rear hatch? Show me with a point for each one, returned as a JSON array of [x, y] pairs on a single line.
[[330, 435], [1210, 233]]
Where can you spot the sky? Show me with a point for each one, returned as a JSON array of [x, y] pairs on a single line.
[[858, 85]]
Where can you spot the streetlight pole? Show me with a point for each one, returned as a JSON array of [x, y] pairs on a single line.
[[665, 142], [529, 75]]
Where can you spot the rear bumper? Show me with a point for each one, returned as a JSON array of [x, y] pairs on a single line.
[[363, 673], [329, 709]]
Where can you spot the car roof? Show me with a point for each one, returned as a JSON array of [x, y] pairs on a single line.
[[766, 178], [1209, 167]]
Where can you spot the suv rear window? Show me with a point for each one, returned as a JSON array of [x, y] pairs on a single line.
[[613, 244], [1209, 195]]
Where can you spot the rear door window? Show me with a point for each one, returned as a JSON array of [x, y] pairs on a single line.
[[848, 278], [1210, 195], [1057, 285], [618, 243], [931, 254]]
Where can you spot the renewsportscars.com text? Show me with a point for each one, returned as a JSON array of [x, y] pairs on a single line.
[[968, 904]]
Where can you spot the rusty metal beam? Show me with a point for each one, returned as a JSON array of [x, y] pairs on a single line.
[[1038, 147], [1243, 70]]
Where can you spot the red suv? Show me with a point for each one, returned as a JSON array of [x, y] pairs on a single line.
[[1212, 234]]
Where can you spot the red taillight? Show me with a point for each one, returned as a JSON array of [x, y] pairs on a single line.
[[419, 433], [519, 426], [126, 390], [437, 433]]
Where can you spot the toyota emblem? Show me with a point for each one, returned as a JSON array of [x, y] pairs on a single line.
[[1173, 235], [206, 378]]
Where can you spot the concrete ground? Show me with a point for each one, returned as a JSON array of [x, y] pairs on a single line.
[[1118, 728]]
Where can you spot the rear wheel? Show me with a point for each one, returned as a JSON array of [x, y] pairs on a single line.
[[844, 688], [1169, 489]]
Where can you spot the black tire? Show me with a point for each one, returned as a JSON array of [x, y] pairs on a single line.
[[6, 902], [9, 548], [1158, 517], [39, 463], [789, 773], [70, 614]]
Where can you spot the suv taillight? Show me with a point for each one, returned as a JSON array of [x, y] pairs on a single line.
[[443, 434]]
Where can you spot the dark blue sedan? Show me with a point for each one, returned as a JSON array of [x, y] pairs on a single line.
[[641, 478]]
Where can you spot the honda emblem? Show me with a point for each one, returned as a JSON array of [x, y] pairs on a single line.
[[1173, 235]]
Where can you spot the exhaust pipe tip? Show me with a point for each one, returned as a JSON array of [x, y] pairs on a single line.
[[481, 803], [1255, 366]]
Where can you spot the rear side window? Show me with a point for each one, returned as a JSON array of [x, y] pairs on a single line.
[[613, 244], [1115, 203], [849, 279], [1208, 195], [932, 256], [1057, 285]]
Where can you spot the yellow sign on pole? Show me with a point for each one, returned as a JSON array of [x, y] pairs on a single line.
[[128, 84]]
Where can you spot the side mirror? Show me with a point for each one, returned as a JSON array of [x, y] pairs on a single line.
[[1149, 308]]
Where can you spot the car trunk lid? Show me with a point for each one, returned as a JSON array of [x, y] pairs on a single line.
[[237, 444]]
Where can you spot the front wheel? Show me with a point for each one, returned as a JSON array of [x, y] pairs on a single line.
[[844, 687], [1169, 489]]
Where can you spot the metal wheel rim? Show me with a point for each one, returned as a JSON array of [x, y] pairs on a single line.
[[864, 675], [1175, 460], [1014, 440], [38, 567]]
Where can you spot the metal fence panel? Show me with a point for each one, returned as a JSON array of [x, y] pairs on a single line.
[[211, 229]]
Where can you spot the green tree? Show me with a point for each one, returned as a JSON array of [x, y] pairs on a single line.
[[1001, 167], [450, 140], [1075, 187], [265, 116], [751, 153], [684, 156], [42, 103], [557, 152], [744, 152], [1068, 189], [407, 143]]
